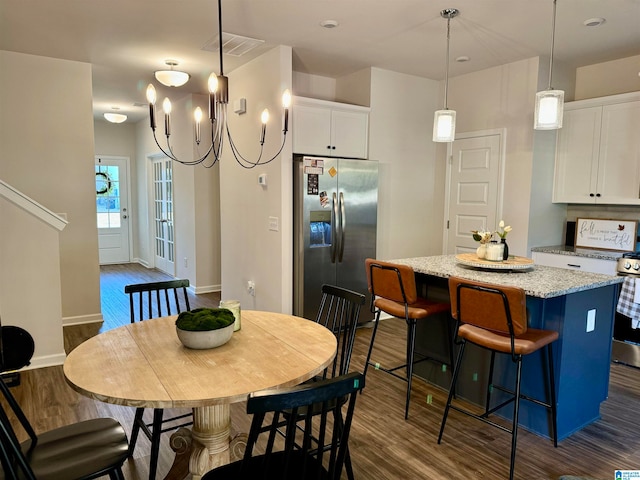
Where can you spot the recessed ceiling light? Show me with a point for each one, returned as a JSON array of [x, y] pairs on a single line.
[[594, 22], [462, 58], [329, 24]]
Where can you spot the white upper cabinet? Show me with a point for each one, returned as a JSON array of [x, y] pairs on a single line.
[[329, 129], [598, 152]]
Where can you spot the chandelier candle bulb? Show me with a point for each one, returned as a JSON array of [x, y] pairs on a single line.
[[151, 98], [286, 103], [264, 118], [197, 115], [166, 106]]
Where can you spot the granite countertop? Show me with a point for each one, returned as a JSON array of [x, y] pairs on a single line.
[[537, 281], [580, 252]]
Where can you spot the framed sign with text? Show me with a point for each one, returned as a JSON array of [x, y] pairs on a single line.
[[604, 234]]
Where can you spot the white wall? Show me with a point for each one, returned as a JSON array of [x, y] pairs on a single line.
[[250, 251], [47, 141], [30, 281], [410, 197], [608, 78]]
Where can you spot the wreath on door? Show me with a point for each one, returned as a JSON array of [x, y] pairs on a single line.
[[103, 183]]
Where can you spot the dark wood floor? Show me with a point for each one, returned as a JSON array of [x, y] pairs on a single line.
[[383, 444]]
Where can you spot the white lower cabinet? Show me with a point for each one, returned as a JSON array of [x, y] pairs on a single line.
[[575, 262]]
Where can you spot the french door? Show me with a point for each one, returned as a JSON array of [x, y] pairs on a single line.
[[164, 241], [112, 209]]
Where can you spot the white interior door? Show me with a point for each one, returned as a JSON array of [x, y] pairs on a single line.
[[474, 190], [163, 215], [112, 209]]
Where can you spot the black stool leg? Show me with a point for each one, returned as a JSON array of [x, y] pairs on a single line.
[[411, 344], [487, 405], [552, 395], [456, 371], [135, 430], [373, 337], [156, 432], [516, 411]]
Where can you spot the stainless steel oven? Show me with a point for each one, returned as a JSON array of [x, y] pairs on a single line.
[[626, 338]]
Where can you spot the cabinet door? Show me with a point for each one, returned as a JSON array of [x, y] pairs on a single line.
[[311, 129], [619, 165], [577, 156], [349, 134]]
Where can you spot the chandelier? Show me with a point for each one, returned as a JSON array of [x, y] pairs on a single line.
[[219, 128]]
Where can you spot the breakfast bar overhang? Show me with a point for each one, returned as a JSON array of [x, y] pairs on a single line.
[[580, 306]]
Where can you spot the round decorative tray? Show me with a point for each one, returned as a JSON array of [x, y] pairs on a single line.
[[512, 263]]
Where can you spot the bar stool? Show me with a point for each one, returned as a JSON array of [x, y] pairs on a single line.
[[394, 286], [495, 318]]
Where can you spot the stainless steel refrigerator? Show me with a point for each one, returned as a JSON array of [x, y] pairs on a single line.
[[335, 215]]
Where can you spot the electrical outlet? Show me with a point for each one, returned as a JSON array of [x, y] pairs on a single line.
[[591, 320], [251, 288], [186, 263]]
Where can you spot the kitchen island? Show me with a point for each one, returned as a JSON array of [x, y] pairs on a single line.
[[580, 306]]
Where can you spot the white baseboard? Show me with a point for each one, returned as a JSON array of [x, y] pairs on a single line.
[[46, 361], [142, 262], [206, 289], [82, 319]]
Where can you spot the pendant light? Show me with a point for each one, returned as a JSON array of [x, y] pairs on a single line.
[[444, 121], [219, 127], [549, 102]]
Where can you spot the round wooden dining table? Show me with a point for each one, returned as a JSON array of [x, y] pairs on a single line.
[[144, 364]]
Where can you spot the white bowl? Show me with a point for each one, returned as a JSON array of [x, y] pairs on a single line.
[[205, 339]]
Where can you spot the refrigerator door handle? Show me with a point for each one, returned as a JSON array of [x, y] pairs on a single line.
[[334, 220], [343, 226]]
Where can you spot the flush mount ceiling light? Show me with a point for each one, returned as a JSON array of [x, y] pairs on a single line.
[[171, 77], [115, 117], [444, 121], [594, 22], [218, 103], [549, 103], [329, 24]]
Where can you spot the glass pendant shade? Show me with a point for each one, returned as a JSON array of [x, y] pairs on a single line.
[[172, 78], [549, 110], [115, 117], [444, 126]]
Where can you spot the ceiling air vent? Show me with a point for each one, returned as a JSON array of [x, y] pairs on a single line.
[[234, 45]]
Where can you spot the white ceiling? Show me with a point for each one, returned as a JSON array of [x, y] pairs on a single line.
[[127, 40]]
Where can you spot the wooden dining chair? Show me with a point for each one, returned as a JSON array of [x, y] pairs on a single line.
[[80, 451], [146, 301], [495, 318], [298, 458], [393, 291]]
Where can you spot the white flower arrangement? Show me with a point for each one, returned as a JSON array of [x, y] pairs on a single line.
[[505, 230]]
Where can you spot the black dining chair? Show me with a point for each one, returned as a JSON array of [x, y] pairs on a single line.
[[298, 458], [80, 451], [146, 301]]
